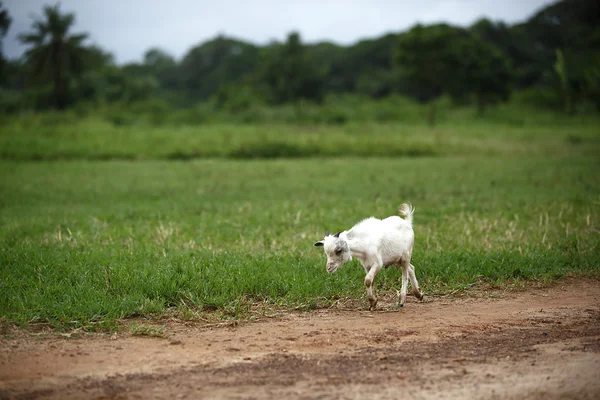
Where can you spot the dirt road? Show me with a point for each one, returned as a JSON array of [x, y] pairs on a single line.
[[536, 343]]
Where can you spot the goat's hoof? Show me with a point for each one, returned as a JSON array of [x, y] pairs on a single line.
[[372, 305], [400, 305], [420, 296]]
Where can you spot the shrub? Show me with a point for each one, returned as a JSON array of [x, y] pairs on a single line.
[[539, 97]]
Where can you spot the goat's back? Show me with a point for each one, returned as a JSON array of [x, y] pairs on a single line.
[[395, 222], [377, 229]]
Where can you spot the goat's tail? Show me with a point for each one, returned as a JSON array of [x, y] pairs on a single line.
[[406, 210]]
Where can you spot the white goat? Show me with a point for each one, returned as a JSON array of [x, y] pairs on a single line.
[[376, 243]]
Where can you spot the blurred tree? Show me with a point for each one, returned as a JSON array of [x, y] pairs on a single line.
[[592, 83], [365, 67], [54, 52], [426, 60], [326, 57], [5, 22], [370, 68], [483, 72], [516, 46], [478, 64], [90, 85], [96, 58], [163, 67], [237, 97], [288, 73], [564, 24], [573, 27], [220, 61], [114, 84], [444, 59], [158, 59]]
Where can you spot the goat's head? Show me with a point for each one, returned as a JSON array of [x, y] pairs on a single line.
[[337, 251]]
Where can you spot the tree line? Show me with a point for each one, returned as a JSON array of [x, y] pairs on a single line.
[[555, 55]]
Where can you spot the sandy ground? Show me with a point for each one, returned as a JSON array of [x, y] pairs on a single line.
[[531, 344]]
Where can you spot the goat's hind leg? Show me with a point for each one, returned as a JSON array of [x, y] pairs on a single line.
[[413, 281], [369, 283], [402, 298]]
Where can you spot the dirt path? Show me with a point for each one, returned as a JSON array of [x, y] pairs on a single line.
[[537, 343]]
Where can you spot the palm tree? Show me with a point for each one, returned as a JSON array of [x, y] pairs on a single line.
[[5, 21], [54, 53]]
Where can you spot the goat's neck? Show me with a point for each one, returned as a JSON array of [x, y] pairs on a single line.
[[356, 250]]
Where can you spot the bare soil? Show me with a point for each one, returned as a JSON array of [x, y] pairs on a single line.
[[530, 344]]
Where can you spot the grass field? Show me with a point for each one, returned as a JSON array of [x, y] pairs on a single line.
[[513, 131], [89, 236]]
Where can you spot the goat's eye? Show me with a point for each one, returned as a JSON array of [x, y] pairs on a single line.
[[338, 251]]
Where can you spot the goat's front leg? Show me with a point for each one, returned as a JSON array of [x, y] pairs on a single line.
[[370, 283]]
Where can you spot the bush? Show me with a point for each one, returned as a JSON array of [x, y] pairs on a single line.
[[119, 117], [196, 115], [236, 98], [10, 101], [156, 111], [334, 116], [539, 97]]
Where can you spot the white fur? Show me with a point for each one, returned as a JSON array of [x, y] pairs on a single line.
[[376, 244]]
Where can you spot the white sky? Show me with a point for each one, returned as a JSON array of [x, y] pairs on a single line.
[[127, 28]]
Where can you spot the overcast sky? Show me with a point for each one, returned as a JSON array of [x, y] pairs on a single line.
[[127, 28]]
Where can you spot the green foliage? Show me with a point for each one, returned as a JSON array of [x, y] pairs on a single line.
[[427, 55], [236, 98], [5, 21], [560, 66], [365, 67], [163, 67], [516, 45], [378, 83], [479, 65], [10, 101], [112, 84], [421, 56], [342, 126], [573, 27], [483, 72], [289, 75], [543, 98], [220, 61], [592, 81]]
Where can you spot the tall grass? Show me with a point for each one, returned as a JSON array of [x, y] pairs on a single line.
[[389, 128], [92, 139]]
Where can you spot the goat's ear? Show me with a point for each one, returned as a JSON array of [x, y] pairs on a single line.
[[337, 235], [319, 243]]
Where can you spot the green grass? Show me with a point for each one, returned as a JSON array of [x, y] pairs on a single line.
[[84, 243], [138, 329], [66, 136], [102, 220]]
